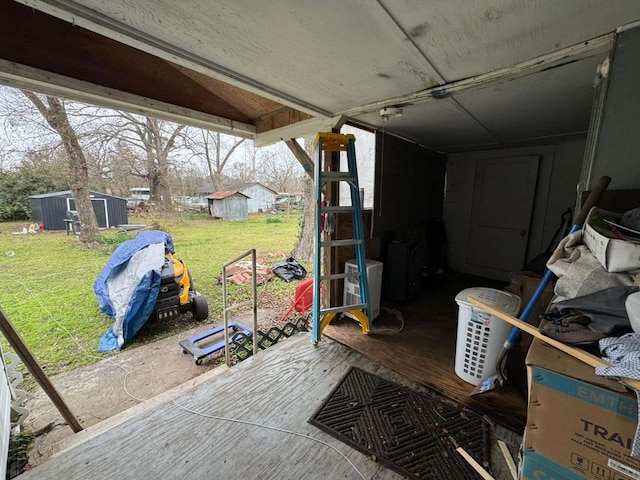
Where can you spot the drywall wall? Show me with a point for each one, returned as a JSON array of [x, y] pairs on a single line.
[[558, 175], [618, 150], [409, 184]]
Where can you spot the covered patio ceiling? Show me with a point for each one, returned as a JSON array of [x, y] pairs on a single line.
[[467, 74]]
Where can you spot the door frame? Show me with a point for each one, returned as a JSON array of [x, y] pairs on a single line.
[[535, 173], [106, 209]]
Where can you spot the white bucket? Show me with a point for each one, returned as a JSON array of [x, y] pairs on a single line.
[[480, 334]]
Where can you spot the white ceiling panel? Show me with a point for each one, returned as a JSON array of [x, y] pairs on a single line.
[[332, 55], [549, 103], [467, 38], [435, 124]]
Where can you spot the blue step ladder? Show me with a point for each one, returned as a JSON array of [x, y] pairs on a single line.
[[325, 145]]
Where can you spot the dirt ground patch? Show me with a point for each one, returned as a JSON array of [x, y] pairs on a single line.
[[99, 391]]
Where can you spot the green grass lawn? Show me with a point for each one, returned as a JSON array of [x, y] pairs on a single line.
[[46, 279]]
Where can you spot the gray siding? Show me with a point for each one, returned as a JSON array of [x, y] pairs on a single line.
[[234, 207], [51, 210], [260, 198]]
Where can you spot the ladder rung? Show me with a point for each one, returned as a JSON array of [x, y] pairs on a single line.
[[337, 209], [337, 177], [341, 243], [339, 276], [344, 308]]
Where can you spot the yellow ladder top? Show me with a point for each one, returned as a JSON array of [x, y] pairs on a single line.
[[334, 142]]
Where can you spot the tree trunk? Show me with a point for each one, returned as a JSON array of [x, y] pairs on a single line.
[[304, 249], [56, 116]]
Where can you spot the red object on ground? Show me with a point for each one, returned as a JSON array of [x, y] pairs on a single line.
[[303, 298]]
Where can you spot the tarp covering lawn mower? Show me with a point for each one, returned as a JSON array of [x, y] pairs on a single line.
[[128, 286]]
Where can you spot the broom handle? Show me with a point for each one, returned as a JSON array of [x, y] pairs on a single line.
[[568, 349]]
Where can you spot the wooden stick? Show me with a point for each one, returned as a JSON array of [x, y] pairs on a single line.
[[17, 343], [568, 349], [301, 156], [509, 459], [475, 465]]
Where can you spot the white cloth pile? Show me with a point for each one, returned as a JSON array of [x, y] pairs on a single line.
[[579, 272]]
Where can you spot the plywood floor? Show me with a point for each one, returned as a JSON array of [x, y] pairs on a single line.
[[281, 387], [424, 351]]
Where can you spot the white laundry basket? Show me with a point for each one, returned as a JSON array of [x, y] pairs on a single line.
[[480, 334]]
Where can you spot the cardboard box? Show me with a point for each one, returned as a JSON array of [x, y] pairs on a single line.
[[614, 255], [579, 425]]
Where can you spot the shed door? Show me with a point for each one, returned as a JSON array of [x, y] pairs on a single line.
[[503, 198], [99, 207]]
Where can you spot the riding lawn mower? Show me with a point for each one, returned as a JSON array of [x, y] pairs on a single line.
[[177, 294]]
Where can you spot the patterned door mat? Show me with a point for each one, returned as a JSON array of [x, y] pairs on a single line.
[[413, 433]]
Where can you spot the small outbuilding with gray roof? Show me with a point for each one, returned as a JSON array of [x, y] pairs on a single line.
[[50, 209]]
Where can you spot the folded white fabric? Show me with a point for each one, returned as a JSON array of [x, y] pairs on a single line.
[[579, 272]]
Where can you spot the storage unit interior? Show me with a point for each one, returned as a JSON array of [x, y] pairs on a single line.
[[472, 178]]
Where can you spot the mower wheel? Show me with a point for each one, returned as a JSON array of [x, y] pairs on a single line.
[[200, 307], [199, 361]]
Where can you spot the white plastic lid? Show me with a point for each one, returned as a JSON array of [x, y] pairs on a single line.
[[503, 301], [632, 305]]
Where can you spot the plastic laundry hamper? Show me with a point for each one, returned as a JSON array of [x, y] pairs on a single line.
[[480, 334]]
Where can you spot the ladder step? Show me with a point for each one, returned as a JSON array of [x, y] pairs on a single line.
[[342, 243], [343, 308], [337, 177], [336, 209], [340, 276]]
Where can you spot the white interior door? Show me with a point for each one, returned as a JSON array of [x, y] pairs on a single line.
[[503, 196]]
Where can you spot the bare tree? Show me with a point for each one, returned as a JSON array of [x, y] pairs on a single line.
[[246, 170], [280, 170], [304, 247], [55, 114], [156, 140], [216, 150]]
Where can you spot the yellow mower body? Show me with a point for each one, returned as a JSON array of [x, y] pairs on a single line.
[[177, 292]]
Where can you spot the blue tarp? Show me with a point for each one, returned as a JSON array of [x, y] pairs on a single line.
[[127, 287]]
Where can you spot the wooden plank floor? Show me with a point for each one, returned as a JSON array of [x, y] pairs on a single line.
[[424, 352], [281, 387]]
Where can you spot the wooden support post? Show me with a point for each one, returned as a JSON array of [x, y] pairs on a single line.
[[301, 156], [17, 343]]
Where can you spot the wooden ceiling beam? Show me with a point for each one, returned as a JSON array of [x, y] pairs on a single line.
[[280, 118]]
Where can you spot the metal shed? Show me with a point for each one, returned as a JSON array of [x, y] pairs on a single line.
[[229, 205], [50, 209], [261, 197]]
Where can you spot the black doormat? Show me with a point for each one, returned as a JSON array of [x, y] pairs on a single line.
[[413, 433]]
